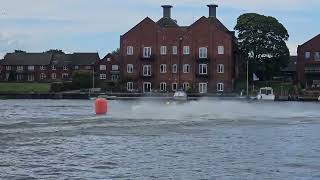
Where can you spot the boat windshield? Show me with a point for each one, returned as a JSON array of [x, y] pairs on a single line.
[[263, 91], [269, 92]]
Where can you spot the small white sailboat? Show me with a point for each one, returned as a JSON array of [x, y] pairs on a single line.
[[266, 93]]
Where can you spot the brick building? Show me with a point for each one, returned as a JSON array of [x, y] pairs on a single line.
[[108, 68], [308, 68], [44, 67], [164, 56]]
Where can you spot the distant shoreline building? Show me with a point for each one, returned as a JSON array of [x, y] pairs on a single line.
[[163, 56], [308, 68]]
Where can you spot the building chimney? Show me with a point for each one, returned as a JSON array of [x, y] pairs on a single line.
[[166, 11], [212, 10]]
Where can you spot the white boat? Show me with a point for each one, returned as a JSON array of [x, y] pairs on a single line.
[[266, 93], [180, 95]]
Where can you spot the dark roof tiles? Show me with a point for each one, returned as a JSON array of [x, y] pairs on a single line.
[[25, 59]]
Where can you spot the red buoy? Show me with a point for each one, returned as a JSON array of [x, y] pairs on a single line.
[[101, 106]]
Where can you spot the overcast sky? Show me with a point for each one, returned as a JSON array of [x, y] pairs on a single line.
[[96, 25]]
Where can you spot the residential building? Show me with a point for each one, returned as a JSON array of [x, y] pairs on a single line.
[[108, 68], [163, 56], [308, 68]]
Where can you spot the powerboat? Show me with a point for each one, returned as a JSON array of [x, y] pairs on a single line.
[[266, 93], [180, 95]]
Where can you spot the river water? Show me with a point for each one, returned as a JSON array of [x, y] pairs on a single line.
[[206, 139]]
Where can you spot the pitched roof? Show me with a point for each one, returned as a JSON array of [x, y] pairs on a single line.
[[84, 58], [24, 59], [60, 60], [167, 22], [317, 36]]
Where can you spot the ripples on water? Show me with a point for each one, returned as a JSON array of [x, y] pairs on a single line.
[[205, 139]]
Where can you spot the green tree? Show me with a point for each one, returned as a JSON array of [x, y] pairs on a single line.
[[19, 51], [55, 51], [82, 79], [262, 40]]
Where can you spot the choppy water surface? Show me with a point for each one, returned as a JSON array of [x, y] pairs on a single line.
[[47, 139]]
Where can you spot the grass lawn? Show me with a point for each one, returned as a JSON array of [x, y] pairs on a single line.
[[24, 87]]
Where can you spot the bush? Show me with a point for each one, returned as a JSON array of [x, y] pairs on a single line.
[[57, 86], [82, 79], [189, 90]]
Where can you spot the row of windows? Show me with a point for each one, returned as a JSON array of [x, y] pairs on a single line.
[[43, 76], [316, 56], [203, 51], [114, 77], [147, 87], [113, 67], [31, 68], [203, 69]]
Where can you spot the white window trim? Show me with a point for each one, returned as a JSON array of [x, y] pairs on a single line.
[[31, 68], [103, 76], [129, 86], [185, 68], [317, 56], [130, 50], [163, 50], [145, 83], [163, 84], [220, 67], [103, 67], [307, 55], [147, 52], [114, 67], [53, 67], [43, 76], [186, 50], [201, 88], [172, 86], [147, 67], [201, 69], [65, 68], [221, 50], [220, 85], [114, 77], [203, 52], [20, 68], [174, 50], [42, 68], [174, 68], [164, 68], [53, 76], [185, 85], [65, 75], [8, 68], [130, 68]]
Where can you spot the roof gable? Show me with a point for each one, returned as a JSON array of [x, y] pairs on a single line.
[[140, 24], [317, 37]]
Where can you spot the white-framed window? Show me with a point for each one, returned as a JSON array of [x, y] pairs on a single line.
[[53, 67], [19, 77], [163, 86], [42, 68], [31, 68], [186, 68], [317, 56], [307, 55], [147, 87], [103, 76], [174, 50], [87, 67], [103, 67], [163, 50], [174, 68], [220, 68], [220, 50], [30, 77], [65, 75], [65, 68], [203, 52], [130, 50], [147, 70], [20, 68], [53, 76], [174, 86], [76, 67], [147, 52], [8, 68], [115, 68], [108, 59], [186, 50], [163, 68], [203, 88], [185, 85], [129, 86], [43, 76], [203, 69], [220, 87], [114, 77], [130, 68]]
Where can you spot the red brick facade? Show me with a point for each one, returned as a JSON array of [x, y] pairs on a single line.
[[308, 68], [208, 33]]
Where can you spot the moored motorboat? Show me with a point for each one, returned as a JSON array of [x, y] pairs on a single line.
[[266, 93], [180, 95]]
